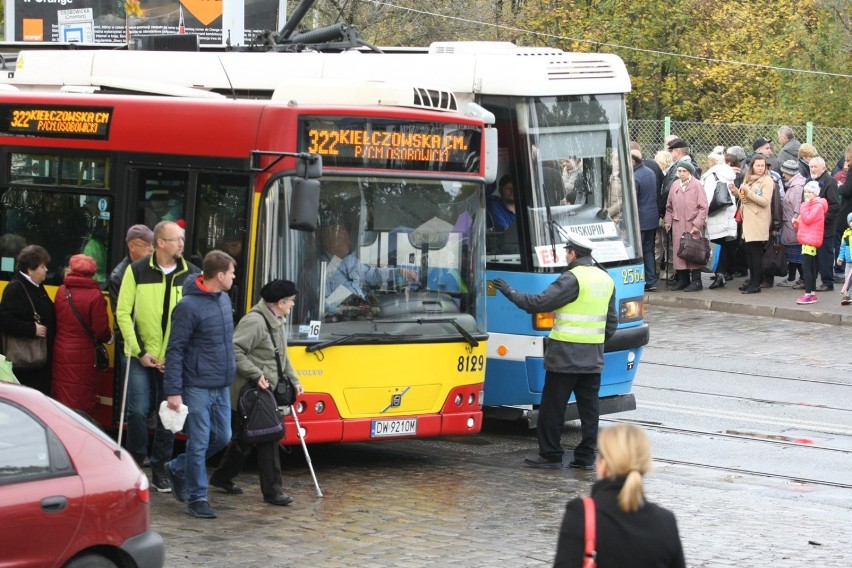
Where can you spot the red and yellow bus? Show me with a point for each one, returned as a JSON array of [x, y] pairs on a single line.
[[400, 354]]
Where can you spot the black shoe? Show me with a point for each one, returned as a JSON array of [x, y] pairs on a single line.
[[694, 286], [751, 291], [160, 480], [580, 465], [718, 282], [744, 287], [228, 487], [178, 487], [280, 499], [650, 288], [542, 462], [728, 277]]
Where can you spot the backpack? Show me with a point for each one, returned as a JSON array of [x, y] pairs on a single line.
[[260, 420]]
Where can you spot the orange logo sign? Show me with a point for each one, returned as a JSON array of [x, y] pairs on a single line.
[[205, 10]]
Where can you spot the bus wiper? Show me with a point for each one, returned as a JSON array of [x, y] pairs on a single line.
[[346, 338], [464, 333]]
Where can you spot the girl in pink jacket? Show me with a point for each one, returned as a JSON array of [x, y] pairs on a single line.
[[809, 226]]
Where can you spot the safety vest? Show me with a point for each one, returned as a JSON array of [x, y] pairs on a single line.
[[584, 319]]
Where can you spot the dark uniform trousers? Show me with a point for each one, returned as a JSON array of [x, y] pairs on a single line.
[[268, 466], [551, 414]]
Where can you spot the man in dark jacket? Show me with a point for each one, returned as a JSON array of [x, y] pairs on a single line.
[[200, 366], [649, 219], [825, 253], [583, 299]]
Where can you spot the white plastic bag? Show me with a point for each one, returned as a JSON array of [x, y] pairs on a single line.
[[173, 420]]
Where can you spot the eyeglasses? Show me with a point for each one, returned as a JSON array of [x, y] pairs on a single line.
[[175, 239]]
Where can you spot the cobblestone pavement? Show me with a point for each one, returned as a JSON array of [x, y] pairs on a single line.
[[468, 501]]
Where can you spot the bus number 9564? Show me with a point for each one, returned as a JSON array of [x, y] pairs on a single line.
[[471, 363]]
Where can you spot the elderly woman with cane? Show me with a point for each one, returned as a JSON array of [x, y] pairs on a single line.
[[260, 342]]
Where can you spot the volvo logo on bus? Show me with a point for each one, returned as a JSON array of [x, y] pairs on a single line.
[[396, 399]]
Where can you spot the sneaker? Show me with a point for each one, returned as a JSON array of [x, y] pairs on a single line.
[[201, 510], [160, 480], [650, 288], [786, 284], [807, 299], [845, 300], [798, 285], [824, 288], [177, 485]]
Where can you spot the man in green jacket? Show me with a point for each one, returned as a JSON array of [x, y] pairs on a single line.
[[149, 291]]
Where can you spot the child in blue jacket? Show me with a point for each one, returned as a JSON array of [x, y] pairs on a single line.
[[845, 256]]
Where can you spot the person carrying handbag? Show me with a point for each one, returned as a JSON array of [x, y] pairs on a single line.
[[260, 345], [26, 312], [628, 529], [79, 303], [686, 212]]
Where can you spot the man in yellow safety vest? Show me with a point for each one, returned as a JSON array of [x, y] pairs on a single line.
[[583, 302]]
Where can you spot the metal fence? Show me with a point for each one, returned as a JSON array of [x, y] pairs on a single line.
[[702, 137]]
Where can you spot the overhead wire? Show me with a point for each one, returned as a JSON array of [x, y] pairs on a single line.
[[612, 45]]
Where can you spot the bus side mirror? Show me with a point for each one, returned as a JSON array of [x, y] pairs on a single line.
[[304, 204]]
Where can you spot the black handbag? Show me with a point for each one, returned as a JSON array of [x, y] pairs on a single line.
[[694, 249], [774, 261], [26, 352], [260, 420], [721, 196], [101, 353], [285, 392]]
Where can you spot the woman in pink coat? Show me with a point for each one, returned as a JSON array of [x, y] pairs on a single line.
[[686, 212], [75, 377]]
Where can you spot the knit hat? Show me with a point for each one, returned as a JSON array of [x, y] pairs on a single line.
[[277, 290], [677, 143], [580, 244], [790, 167], [812, 186], [686, 165], [83, 265], [139, 232]]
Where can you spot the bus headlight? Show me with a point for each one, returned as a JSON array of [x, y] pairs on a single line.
[[543, 321], [319, 407], [458, 400], [631, 309]]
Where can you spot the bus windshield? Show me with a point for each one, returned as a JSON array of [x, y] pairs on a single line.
[[581, 169], [391, 258]]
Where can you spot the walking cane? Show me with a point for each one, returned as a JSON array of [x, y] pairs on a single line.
[[305, 449], [124, 395]]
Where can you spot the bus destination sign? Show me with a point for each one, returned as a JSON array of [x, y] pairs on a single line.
[[56, 121], [381, 143]]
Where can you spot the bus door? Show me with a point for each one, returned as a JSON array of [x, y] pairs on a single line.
[[211, 206]]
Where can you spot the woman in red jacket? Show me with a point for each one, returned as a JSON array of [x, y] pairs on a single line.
[[75, 377]]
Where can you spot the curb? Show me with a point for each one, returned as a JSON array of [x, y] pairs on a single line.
[[803, 315]]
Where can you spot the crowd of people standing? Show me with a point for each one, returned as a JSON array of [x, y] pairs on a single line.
[[767, 195]]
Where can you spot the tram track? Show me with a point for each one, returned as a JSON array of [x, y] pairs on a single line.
[[778, 440], [645, 362], [738, 436], [742, 398]]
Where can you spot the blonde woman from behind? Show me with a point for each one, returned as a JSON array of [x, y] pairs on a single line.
[[630, 531]]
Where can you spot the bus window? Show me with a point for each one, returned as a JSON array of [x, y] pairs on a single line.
[[161, 197], [39, 169], [65, 224], [220, 218]]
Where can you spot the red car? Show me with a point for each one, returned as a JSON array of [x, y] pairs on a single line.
[[68, 496]]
